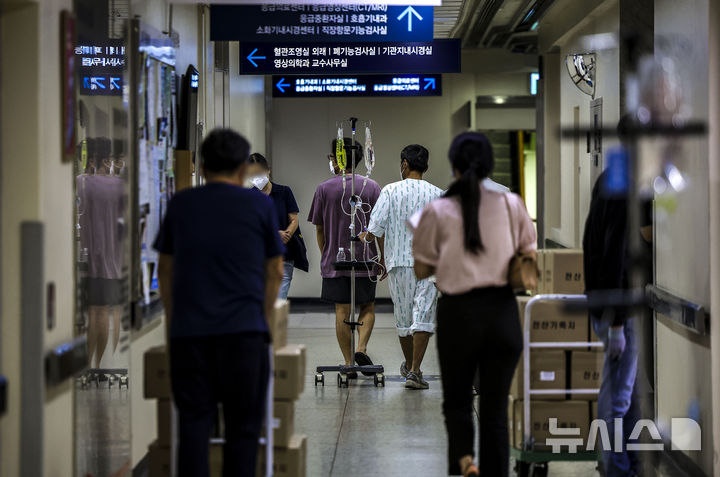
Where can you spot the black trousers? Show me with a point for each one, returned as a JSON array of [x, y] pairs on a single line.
[[229, 369], [478, 332]]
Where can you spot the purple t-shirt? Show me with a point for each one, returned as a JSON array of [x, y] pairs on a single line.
[[331, 209], [102, 203]]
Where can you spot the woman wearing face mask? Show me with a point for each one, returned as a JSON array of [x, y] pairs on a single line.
[[465, 240], [258, 176]]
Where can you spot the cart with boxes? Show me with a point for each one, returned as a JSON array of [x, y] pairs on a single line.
[[560, 371], [281, 452]]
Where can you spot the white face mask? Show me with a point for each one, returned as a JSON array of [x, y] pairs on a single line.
[[260, 181], [332, 168]]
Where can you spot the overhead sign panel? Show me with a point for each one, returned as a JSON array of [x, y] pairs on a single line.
[[439, 56], [321, 23], [426, 3], [356, 86], [101, 85], [101, 68]]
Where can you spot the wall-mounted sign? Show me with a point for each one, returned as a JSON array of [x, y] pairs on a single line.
[[101, 85], [350, 86], [439, 56], [320, 23]]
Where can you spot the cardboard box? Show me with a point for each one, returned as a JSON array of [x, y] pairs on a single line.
[[550, 322], [541, 288], [547, 371], [586, 372], [287, 462], [159, 460], [568, 413], [283, 423], [164, 422], [563, 271], [157, 374], [278, 323], [290, 372]]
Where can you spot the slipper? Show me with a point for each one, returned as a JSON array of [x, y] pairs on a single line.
[[364, 360]]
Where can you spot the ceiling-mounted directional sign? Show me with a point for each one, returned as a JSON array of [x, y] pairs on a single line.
[[439, 56], [350, 86], [426, 3], [320, 23]]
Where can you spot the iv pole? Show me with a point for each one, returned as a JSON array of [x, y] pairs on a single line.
[[352, 265]]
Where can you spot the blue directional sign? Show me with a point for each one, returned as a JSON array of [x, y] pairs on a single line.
[[351, 86], [439, 56], [320, 23], [101, 85]]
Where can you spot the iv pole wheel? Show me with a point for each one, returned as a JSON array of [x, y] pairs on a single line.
[[319, 379], [379, 380], [342, 380]]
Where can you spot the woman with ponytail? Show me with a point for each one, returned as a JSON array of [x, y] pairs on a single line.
[[465, 240]]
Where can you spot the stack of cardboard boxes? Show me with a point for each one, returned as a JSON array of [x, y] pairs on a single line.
[[290, 450], [561, 273], [157, 386]]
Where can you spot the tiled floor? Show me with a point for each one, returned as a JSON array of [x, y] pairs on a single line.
[[365, 430]]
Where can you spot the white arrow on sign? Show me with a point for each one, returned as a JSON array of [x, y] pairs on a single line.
[[409, 12]]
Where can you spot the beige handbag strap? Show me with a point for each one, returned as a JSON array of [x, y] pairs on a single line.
[[510, 218]]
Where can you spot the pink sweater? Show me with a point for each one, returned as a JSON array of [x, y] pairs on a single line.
[[438, 241]]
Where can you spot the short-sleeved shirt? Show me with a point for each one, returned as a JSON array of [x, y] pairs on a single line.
[[397, 203], [285, 205], [331, 209], [439, 241], [220, 237]]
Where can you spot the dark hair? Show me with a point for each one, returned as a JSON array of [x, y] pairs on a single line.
[[224, 151], [416, 157], [103, 147], [90, 147], [257, 158], [471, 155], [348, 150]]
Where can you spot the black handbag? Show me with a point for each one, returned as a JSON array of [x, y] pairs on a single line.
[[297, 251]]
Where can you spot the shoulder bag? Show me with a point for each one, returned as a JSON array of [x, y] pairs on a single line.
[[523, 271]]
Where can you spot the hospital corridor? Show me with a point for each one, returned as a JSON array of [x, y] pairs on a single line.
[[349, 238]]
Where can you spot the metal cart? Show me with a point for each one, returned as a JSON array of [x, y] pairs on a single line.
[[528, 460]]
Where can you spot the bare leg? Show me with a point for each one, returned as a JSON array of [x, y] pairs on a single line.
[[367, 318], [406, 343], [102, 322], [342, 331], [116, 315], [420, 344]]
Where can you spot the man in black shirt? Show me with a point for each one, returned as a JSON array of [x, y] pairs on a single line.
[[220, 271], [606, 264]]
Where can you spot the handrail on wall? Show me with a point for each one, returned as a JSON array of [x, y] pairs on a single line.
[[688, 314]]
